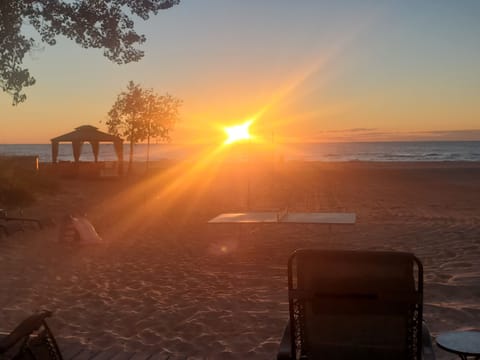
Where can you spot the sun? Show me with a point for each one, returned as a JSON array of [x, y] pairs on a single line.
[[238, 132]]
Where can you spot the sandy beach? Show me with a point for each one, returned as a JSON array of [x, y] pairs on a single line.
[[164, 281]]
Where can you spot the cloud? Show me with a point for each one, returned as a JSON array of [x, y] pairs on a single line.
[[472, 134], [348, 130]]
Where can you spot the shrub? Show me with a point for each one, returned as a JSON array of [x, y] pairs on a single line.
[[18, 185], [14, 196]]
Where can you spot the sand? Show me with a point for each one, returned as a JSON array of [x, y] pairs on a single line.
[[164, 281]]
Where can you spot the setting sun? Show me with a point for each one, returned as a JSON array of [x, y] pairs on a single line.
[[238, 132]]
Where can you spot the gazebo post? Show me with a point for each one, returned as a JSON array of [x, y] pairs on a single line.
[[95, 149], [77, 150], [54, 151]]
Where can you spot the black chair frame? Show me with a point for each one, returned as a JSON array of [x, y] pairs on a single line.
[[298, 298]]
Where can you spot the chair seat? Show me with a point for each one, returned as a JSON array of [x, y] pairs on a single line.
[[339, 351]]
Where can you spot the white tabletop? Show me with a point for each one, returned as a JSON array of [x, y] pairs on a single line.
[[250, 217], [291, 217]]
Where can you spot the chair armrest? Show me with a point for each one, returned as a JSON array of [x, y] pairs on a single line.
[[427, 348], [284, 351], [25, 328]]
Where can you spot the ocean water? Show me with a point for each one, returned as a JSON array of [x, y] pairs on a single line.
[[364, 151]]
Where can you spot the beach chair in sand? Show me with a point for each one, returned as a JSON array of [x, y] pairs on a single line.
[[9, 225], [355, 305], [78, 228], [32, 339]]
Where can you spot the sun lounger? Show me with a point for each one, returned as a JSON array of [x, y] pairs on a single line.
[[21, 220], [355, 305], [7, 228]]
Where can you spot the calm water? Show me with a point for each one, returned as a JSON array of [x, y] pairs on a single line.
[[374, 151]]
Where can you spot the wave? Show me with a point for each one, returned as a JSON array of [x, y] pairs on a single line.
[[418, 151]]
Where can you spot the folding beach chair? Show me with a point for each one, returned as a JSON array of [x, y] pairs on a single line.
[[355, 305], [31, 340], [78, 228], [19, 221]]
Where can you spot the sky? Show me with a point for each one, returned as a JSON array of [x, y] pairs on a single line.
[[305, 71]]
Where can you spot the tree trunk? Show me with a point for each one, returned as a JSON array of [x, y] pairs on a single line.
[[148, 149], [132, 142], [130, 159]]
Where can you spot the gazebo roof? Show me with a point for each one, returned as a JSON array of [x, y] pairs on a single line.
[[86, 133]]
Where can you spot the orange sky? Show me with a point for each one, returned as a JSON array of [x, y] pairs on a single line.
[[320, 72]]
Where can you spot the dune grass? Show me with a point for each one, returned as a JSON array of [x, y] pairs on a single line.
[[19, 184]]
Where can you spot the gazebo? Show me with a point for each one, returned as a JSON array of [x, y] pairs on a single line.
[[91, 134]]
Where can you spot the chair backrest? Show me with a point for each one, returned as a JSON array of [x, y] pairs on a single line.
[[355, 304]]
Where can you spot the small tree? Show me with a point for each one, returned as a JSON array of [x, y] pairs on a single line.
[[162, 114], [125, 117], [140, 114]]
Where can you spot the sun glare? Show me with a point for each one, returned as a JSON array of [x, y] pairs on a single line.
[[238, 132]]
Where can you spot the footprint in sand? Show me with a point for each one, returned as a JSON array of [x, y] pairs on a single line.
[[444, 277]]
